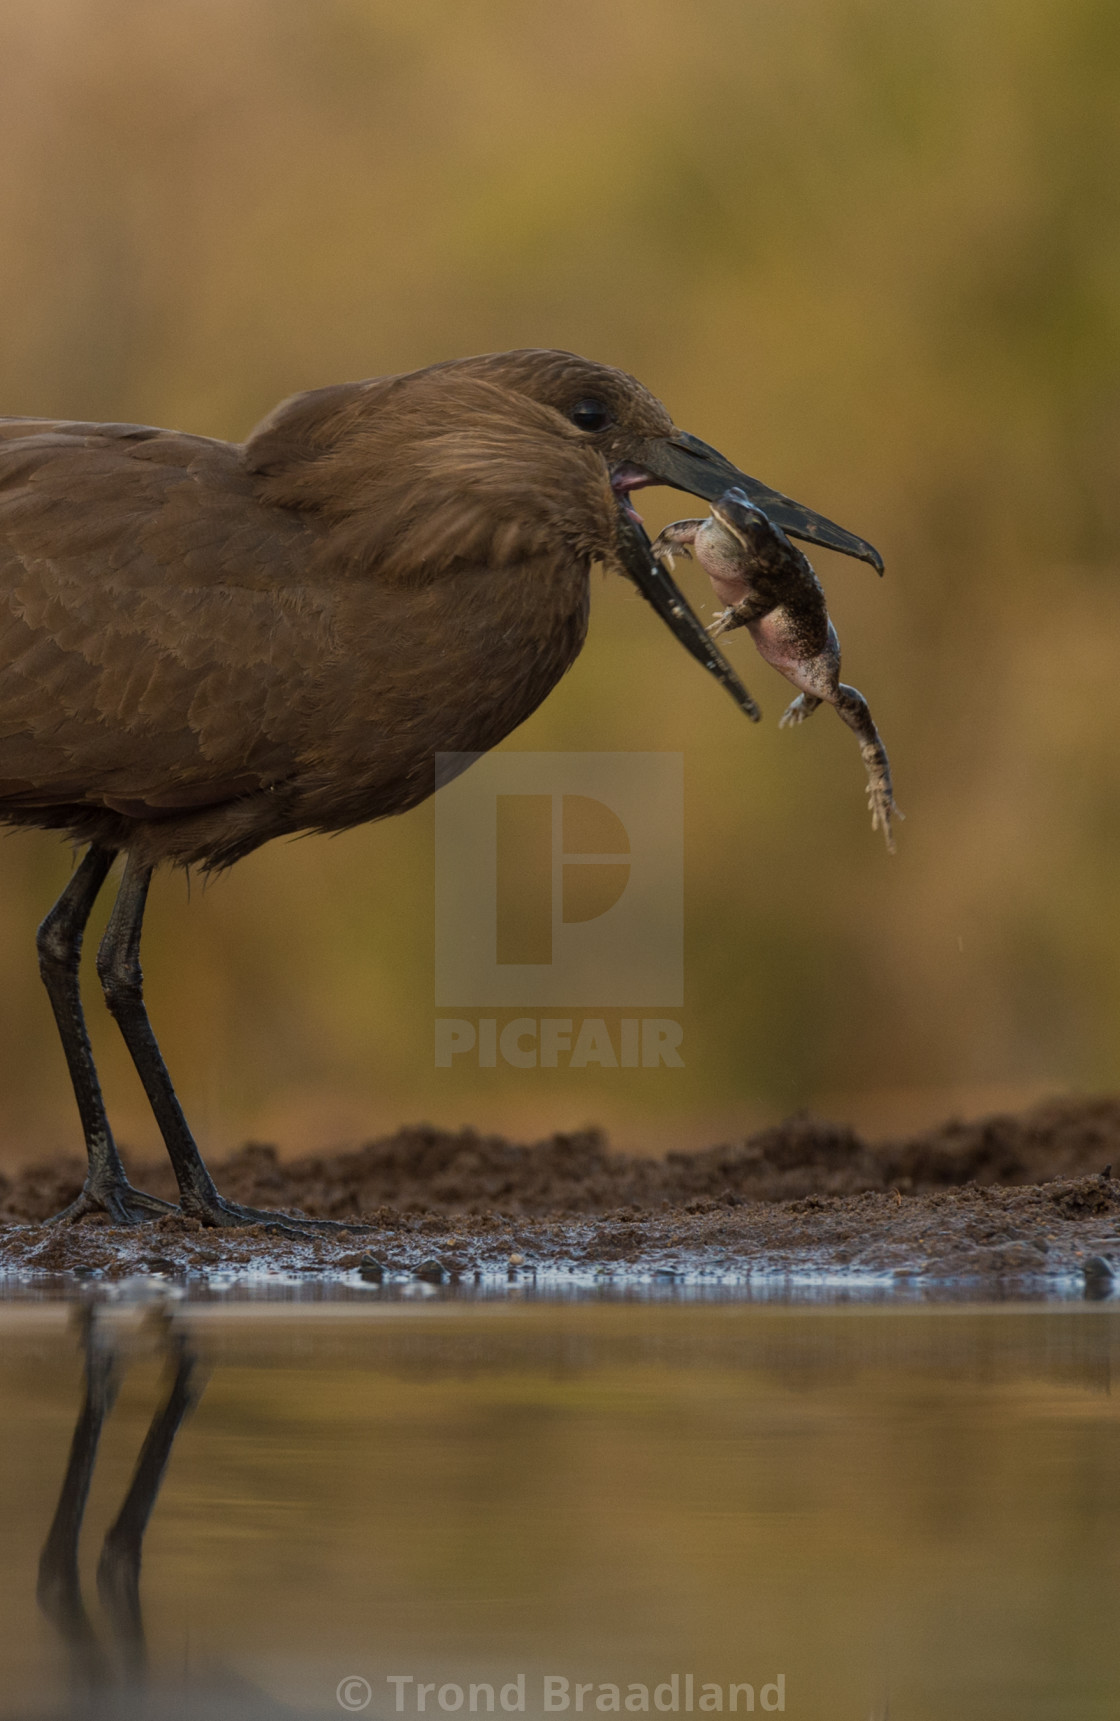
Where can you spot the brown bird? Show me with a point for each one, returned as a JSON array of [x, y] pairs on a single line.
[[204, 645]]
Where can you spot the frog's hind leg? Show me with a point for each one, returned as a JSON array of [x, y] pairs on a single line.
[[853, 708], [817, 676], [803, 706]]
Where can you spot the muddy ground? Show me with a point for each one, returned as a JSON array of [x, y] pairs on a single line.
[[1009, 1198]]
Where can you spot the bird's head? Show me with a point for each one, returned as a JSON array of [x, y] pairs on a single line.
[[629, 429], [502, 458], [618, 421]]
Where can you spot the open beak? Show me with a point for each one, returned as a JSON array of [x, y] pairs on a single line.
[[686, 463], [655, 582]]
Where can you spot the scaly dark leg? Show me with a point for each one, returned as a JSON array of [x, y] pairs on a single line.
[[118, 964], [59, 941]]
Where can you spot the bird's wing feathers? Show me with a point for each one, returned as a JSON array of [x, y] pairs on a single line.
[[146, 634], [182, 620]]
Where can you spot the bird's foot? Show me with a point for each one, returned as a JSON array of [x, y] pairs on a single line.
[[117, 1198], [215, 1210]]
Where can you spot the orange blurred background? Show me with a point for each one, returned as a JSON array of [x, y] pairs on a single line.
[[870, 251]]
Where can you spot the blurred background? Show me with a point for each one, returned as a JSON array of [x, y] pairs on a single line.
[[870, 251]]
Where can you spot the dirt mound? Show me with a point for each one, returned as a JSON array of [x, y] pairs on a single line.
[[426, 1170]]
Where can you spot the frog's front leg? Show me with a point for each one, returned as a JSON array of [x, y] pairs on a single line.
[[745, 613], [676, 540], [721, 557]]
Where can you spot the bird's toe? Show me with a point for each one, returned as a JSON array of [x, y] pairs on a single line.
[[227, 1215], [123, 1204]]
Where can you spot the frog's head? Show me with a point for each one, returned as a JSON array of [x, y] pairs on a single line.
[[749, 540], [674, 457], [737, 514]]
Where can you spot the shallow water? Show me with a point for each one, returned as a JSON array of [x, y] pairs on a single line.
[[903, 1512]]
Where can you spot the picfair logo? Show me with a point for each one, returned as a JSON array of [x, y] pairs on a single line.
[[559, 880]]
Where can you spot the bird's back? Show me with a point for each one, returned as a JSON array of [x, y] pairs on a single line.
[[185, 666], [143, 599]]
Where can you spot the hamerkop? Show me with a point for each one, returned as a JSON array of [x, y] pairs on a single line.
[[205, 644]]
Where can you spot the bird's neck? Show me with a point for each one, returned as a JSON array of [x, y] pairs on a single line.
[[452, 667], [506, 636]]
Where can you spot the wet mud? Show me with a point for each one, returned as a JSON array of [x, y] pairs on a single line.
[[1023, 1197]]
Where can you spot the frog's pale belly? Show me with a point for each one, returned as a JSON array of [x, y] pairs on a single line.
[[794, 648], [731, 588]]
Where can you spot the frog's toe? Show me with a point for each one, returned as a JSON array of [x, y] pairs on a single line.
[[726, 620], [675, 540], [883, 810], [796, 712]]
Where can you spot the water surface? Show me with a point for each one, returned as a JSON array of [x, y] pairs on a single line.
[[903, 1512]]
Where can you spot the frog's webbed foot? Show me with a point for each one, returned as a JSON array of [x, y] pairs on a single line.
[[880, 797], [803, 706], [676, 540], [852, 707]]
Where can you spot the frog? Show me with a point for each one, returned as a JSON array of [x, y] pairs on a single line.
[[769, 587]]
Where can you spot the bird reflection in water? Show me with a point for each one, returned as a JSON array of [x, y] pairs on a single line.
[[109, 1674]]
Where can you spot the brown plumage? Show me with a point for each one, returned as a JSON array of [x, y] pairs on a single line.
[[205, 645]]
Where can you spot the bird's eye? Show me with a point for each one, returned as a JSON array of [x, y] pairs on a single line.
[[590, 415]]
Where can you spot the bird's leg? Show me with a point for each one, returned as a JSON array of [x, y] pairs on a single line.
[[118, 965], [118, 1570], [59, 941]]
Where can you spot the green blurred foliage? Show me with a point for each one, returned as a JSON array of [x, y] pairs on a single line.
[[872, 252]]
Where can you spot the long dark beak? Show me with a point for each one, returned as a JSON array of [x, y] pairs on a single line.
[[654, 582], [689, 464]]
